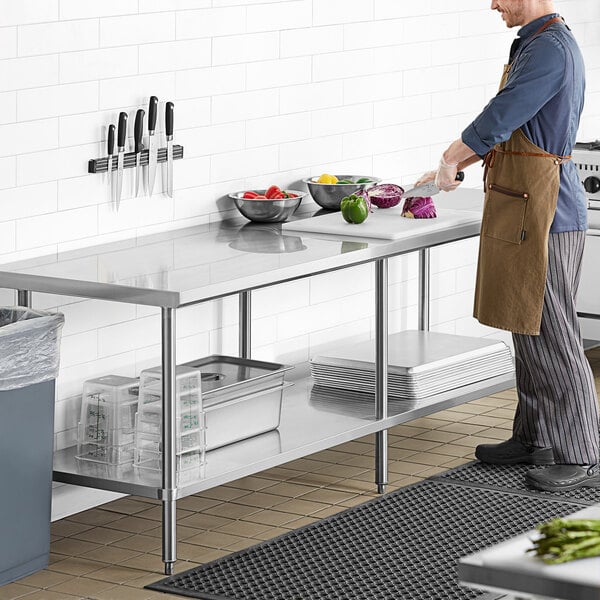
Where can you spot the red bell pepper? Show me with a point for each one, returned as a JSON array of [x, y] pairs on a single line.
[[272, 192], [250, 195]]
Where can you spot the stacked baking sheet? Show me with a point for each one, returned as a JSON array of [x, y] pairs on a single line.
[[421, 364]]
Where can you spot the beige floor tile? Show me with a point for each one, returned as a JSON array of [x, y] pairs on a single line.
[[253, 483], [270, 517], [485, 420], [271, 533], [244, 528], [229, 510], [199, 503], [43, 579], [501, 413], [76, 566], [127, 506], [417, 445], [12, 591], [66, 528], [287, 489], [204, 521], [456, 462], [328, 496], [143, 543], [51, 595], [279, 473], [454, 450], [146, 562], [110, 554], [101, 535], [300, 506], [472, 409], [95, 517], [428, 422], [406, 430], [223, 493], [115, 574], [397, 453], [242, 544], [475, 440], [154, 513], [81, 586], [132, 524], [356, 447], [427, 458], [431, 471], [73, 547], [306, 465], [342, 471], [301, 522], [464, 428], [122, 592], [214, 539], [407, 468]]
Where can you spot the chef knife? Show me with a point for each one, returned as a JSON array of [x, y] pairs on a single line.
[[169, 134], [109, 166], [428, 189], [152, 150], [138, 130], [121, 137]]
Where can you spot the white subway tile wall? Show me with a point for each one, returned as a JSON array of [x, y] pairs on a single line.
[[264, 92]]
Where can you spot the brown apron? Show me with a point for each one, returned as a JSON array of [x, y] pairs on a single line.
[[521, 183]]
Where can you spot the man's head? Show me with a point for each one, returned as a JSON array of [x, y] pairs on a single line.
[[520, 12]]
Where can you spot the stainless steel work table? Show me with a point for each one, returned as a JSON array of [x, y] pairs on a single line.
[[507, 568], [184, 267]]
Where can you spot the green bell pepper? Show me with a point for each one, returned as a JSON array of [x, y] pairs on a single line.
[[354, 209]]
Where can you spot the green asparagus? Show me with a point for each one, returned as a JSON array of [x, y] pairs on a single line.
[[562, 540]]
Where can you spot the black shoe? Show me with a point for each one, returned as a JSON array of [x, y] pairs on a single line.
[[563, 477], [513, 452]]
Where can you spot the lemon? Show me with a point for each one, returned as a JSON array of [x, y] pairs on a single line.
[[326, 178]]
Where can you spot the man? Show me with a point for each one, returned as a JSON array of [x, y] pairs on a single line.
[[531, 245]]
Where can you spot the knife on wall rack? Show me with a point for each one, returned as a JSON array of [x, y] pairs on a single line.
[[138, 130], [152, 149], [121, 137], [169, 122], [109, 167]]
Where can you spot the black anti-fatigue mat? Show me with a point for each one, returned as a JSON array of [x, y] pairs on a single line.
[[401, 546], [511, 478]]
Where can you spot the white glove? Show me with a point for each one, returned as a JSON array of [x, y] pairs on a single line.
[[426, 178], [445, 177]]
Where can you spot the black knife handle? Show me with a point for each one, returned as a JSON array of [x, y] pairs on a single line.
[[111, 139], [122, 131], [460, 176], [169, 118], [138, 129], [152, 113]]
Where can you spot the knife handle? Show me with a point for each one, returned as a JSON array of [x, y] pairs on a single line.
[[111, 139], [122, 131], [460, 176], [169, 119], [138, 129], [152, 113]]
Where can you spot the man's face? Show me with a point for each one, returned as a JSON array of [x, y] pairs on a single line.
[[513, 12]]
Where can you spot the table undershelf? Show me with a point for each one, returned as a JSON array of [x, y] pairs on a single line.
[[309, 423]]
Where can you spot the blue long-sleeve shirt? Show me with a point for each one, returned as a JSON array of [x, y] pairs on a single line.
[[543, 96]]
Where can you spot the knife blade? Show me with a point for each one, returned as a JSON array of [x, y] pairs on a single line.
[[109, 167], [428, 189], [138, 130], [169, 134], [152, 150], [121, 137]]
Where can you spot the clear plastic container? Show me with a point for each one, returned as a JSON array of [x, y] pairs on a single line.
[[106, 431], [190, 438]]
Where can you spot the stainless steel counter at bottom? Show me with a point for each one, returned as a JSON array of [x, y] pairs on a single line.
[[311, 421], [507, 568]]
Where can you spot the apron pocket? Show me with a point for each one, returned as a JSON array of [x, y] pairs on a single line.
[[504, 214]]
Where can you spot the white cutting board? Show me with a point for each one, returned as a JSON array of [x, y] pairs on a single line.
[[383, 223]]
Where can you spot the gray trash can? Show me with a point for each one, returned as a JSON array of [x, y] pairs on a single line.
[[29, 359]]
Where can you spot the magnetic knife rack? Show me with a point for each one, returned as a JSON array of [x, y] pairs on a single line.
[[100, 165]]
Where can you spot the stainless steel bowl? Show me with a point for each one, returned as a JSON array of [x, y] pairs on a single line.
[[329, 195], [267, 211]]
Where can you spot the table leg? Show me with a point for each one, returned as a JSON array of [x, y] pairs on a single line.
[[169, 466], [381, 370], [245, 324], [424, 291]]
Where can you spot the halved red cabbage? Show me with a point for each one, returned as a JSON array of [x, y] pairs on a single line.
[[385, 195], [419, 208]]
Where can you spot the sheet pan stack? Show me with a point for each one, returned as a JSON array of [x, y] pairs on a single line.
[[421, 364]]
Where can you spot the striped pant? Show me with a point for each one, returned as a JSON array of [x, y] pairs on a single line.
[[558, 406]]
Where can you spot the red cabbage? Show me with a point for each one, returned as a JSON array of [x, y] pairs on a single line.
[[385, 195], [419, 208]]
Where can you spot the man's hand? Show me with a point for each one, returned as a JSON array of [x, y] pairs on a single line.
[[445, 177], [426, 178]]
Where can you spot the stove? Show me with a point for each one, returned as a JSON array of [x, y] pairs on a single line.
[[586, 157]]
